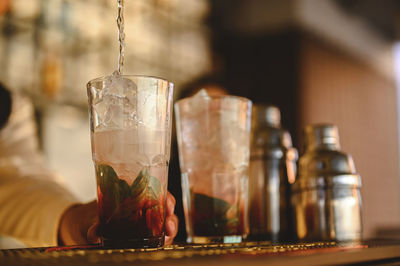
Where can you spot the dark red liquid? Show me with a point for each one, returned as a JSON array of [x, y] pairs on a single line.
[[143, 224], [130, 216]]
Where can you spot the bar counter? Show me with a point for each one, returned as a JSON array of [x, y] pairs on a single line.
[[383, 252]]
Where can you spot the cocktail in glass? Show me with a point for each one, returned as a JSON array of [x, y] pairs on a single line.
[[213, 140], [130, 122]]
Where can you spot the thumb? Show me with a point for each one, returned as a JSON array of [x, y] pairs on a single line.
[[92, 234]]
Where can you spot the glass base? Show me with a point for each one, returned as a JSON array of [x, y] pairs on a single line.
[[273, 238], [214, 239], [153, 242]]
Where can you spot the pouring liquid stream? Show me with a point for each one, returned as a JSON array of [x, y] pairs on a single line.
[[121, 35]]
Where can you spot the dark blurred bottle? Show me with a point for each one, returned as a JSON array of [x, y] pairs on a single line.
[[272, 169], [326, 195]]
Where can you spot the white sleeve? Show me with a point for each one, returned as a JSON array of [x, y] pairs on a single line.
[[32, 198]]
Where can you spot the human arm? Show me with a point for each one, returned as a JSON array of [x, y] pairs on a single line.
[[32, 198]]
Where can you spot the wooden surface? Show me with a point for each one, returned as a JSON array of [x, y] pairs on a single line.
[[250, 253]]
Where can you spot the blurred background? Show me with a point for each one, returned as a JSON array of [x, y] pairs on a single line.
[[333, 61]]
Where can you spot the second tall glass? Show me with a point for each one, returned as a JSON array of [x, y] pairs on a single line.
[[213, 140]]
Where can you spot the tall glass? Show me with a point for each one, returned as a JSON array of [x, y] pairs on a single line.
[[213, 139], [130, 124]]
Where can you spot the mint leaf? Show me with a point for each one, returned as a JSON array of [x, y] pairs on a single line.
[[155, 187], [146, 186], [210, 216], [114, 190], [121, 201], [140, 184], [206, 204], [110, 184], [124, 189]]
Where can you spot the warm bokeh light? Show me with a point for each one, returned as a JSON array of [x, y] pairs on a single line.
[[50, 49]]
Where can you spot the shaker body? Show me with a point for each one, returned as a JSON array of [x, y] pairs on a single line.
[[269, 198], [328, 214]]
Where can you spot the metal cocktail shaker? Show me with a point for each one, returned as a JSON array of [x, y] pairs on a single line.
[[272, 168], [326, 195]]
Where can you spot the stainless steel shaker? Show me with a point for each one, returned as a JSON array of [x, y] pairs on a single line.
[[272, 168], [326, 195]]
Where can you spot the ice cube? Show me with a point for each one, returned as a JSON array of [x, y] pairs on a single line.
[[117, 107], [203, 94], [100, 109], [225, 182], [159, 159], [190, 129], [95, 90], [199, 101], [119, 86]]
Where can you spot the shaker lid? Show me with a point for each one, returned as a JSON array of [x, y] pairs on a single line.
[[321, 136], [324, 165], [267, 133], [267, 114]]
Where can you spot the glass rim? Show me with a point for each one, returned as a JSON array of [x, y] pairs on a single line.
[[217, 97], [102, 78]]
